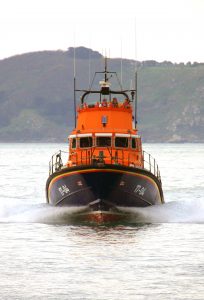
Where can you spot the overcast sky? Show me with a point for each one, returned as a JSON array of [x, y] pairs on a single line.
[[165, 29]]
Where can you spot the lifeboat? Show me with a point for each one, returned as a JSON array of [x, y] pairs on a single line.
[[106, 173]]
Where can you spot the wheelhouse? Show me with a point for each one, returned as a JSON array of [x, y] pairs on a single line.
[[110, 148]]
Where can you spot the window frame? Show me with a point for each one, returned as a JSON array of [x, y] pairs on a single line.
[[136, 143], [74, 138], [105, 146], [121, 136], [105, 134], [84, 137]]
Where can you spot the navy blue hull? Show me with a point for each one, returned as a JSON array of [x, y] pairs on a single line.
[[103, 188]]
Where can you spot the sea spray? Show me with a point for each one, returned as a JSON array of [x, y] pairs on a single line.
[[188, 211], [41, 213]]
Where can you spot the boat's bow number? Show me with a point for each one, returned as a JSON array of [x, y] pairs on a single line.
[[63, 189], [140, 190]]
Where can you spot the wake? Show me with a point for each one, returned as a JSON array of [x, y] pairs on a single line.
[[191, 211], [42, 213]]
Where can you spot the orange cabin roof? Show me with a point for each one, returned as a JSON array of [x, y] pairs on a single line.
[[104, 119]]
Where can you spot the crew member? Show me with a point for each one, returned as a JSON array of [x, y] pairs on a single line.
[[104, 103], [115, 102], [126, 103]]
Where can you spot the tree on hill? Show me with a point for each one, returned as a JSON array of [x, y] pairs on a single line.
[[82, 52]]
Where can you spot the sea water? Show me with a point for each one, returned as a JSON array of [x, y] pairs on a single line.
[[159, 256]]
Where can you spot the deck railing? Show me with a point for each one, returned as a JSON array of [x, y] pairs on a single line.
[[151, 165], [58, 161], [88, 157]]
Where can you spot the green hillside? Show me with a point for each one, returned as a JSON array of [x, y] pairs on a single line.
[[36, 96]]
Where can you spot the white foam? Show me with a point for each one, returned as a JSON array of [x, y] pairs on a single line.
[[172, 212], [42, 213]]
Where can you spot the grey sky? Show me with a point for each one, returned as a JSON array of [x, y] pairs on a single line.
[[165, 29]]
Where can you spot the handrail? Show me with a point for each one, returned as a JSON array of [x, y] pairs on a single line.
[[124, 93], [87, 157], [56, 162], [151, 165]]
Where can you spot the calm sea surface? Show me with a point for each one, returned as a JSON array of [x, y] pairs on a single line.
[[159, 256]]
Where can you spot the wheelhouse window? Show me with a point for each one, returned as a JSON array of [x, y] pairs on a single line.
[[86, 142], [73, 143], [103, 141], [134, 143], [121, 142]]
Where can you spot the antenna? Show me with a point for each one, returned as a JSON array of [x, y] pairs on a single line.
[[102, 58], [105, 71], [135, 74], [121, 63], [135, 99], [90, 66], [135, 45], [74, 84]]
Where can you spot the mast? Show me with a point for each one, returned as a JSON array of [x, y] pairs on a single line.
[[105, 71], [135, 98], [121, 65], [135, 73], [74, 89]]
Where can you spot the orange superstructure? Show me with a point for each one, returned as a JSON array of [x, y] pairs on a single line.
[[105, 132]]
